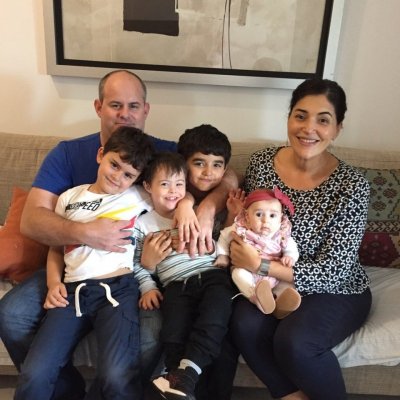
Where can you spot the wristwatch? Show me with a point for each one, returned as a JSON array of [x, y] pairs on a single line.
[[264, 267]]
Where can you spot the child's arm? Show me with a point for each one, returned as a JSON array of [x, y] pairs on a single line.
[[185, 220], [151, 300], [212, 204], [290, 253], [234, 205], [57, 292], [222, 248]]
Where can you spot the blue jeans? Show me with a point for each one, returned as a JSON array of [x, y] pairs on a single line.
[[21, 312], [296, 352]]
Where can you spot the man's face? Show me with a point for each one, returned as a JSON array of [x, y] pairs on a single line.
[[123, 104]]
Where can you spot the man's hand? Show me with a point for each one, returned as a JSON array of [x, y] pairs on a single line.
[[244, 255], [56, 296], [156, 247], [106, 234], [151, 300]]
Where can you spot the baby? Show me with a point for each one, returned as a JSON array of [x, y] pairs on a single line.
[[262, 224]]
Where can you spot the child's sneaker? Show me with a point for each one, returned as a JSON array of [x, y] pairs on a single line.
[[178, 384]]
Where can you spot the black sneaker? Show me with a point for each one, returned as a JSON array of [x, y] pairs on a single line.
[[179, 384]]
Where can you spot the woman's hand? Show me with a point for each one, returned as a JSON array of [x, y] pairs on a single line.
[[156, 247], [244, 255]]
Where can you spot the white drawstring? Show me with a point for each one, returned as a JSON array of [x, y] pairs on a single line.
[[108, 295], [77, 305]]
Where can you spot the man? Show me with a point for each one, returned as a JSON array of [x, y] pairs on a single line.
[[121, 101]]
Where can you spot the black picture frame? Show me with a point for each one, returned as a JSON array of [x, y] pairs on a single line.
[[60, 63]]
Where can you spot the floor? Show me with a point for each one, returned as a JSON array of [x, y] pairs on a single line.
[[8, 382]]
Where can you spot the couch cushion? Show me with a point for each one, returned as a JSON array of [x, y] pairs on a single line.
[[20, 256], [380, 246], [20, 158], [377, 342]]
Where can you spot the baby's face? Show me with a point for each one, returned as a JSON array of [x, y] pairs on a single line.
[[264, 217], [205, 171]]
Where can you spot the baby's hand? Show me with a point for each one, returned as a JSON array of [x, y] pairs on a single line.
[[235, 201], [151, 300], [56, 296], [287, 261], [222, 261]]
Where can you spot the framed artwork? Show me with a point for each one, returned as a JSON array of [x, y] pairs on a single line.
[[257, 43]]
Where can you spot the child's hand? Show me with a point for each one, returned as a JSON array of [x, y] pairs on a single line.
[[186, 221], [156, 247], [56, 296], [287, 261], [235, 201], [204, 243], [151, 300], [222, 261]]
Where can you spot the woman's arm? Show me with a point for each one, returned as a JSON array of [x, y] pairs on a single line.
[[244, 255]]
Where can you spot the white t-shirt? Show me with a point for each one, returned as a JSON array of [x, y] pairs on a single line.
[[79, 204]]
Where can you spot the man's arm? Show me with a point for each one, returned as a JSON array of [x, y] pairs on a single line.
[[40, 222]]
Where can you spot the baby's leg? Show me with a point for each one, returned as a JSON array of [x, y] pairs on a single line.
[[244, 281], [258, 291]]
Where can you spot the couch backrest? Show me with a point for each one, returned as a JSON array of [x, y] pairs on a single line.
[[21, 156]]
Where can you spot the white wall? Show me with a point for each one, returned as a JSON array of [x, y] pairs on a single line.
[[368, 67]]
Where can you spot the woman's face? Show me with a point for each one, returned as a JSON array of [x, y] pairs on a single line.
[[312, 126]]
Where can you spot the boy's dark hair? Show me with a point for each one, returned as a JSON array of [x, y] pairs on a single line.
[[133, 146], [174, 163], [204, 139]]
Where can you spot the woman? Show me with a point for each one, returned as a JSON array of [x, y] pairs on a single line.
[[293, 356]]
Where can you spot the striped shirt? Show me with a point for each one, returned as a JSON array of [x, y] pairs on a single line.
[[175, 267]]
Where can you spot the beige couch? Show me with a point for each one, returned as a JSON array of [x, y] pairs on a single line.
[[370, 358]]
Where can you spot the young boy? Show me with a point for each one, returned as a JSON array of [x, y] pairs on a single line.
[[207, 152], [196, 302], [96, 289]]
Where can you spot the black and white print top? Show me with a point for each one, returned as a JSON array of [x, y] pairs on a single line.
[[328, 225]]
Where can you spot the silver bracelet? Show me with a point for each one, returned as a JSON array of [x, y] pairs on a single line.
[[264, 267]]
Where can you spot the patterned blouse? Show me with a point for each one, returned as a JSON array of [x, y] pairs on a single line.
[[328, 225]]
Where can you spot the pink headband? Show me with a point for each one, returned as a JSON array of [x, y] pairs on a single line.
[[266, 194]]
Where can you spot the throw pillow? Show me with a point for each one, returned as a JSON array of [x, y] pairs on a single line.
[[380, 246], [20, 256]]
